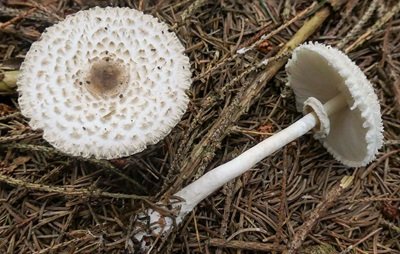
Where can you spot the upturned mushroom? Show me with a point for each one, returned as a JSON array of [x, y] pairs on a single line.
[[105, 83], [339, 104]]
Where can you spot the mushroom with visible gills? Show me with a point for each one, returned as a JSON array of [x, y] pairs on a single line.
[[339, 103], [105, 82]]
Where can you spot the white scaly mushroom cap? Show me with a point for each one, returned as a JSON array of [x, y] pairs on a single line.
[[320, 71], [105, 83]]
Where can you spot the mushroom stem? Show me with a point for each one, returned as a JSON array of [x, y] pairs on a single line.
[[216, 178], [335, 104], [195, 192]]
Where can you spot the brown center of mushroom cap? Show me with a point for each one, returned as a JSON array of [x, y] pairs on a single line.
[[106, 78]]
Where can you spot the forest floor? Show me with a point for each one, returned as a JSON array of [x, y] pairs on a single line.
[[48, 200]]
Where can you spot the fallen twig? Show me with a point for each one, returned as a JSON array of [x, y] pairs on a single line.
[[243, 50], [351, 247], [319, 211], [370, 32], [367, 15], [103, 163], [9, 139], [17, 18], [67, 190], [245, 245], [36, 16]]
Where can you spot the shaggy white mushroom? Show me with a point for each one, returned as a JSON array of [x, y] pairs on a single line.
[[339, 103], [105, 83], [356, 131]]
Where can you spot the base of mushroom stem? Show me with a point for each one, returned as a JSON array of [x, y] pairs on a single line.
[[151, 225]]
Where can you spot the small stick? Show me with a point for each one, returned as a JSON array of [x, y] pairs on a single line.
[[390, 225], [44, 8], [396, 91], [15, 19], [320, 210], [192, 8], [286, 9], [103, 163], [71, 191], [319, 249], [381, 159], [378, 24], [256, 43], [229, 191], [344, 17], [245, 245], [366, 16], [197, 230], [54, 247], [267, 27], [186, 13], [374, 199], [19, 137], [36, 16], [351, 247], [12, 115], [279, 29], [283, 201]]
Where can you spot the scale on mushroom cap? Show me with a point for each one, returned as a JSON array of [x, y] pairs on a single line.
[[339, 103]]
